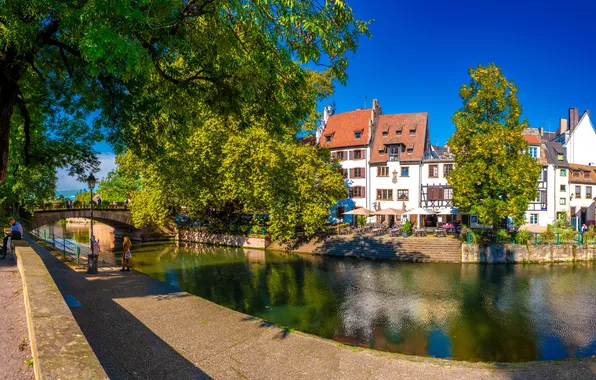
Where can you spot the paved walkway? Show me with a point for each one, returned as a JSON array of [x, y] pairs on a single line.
[[142, 328], [14, 337]]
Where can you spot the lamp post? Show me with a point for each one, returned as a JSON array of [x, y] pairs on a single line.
[[92, 258]]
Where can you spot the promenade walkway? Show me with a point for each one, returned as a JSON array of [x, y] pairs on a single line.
[[141, 328]]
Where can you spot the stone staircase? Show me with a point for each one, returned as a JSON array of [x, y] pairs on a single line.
[[427, 249]]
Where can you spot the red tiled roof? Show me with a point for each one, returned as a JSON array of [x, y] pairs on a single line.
[[341, 128], [581, 169], [532, 139], [405, 123]]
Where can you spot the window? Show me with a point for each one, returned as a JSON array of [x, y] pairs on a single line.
[[357, 154], [575, 174], [533, 218], [339, 212], [563, 188], [534, 151], [578, 191], [356, 192], [562, 201], [344, 173], [435, 193], [433, 171], [410, 150], [398, 132], [380, 218], [339, 156], [357, 135], [560, 156], [405, 171], [586, 175], [563, 172], [328, 138], [382, 171], [385, 194], [394, 153], [385, 133], [447, 168], [403, 195], [588, 192], [572, 211], [412, 132], [541, 175], [447, 193], [357, 173]]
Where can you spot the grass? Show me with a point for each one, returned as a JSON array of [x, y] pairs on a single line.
[[29, 362]]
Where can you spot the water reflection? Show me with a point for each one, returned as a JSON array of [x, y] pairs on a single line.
[[499, 313]]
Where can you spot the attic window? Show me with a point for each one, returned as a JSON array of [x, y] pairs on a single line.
[[586, 175], [398, 132], [575, 174], [410, 150], [357, 135], [385, 133], [328, 138], [413, 132], [560, 156]]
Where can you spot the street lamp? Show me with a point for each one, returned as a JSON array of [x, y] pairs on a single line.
[[92, 261]]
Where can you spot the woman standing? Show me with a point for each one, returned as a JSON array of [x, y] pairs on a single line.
[[126, 255]]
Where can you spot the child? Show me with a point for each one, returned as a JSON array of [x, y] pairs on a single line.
[[126, 255]]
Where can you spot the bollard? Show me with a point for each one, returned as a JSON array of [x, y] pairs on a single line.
[[469, 237], [558, 238], [78, 254], [53, 240], [535, 238]]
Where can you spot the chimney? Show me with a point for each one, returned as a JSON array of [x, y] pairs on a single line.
[[573, 118], [541, 131], [562, 126], [587, 112]]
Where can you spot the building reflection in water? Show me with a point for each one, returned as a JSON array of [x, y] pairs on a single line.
[[502, 313]]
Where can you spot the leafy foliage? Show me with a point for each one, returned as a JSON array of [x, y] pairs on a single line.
[[407, 227], [147, 72], [493, 177]]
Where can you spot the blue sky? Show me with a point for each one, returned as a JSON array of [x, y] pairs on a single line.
[[421, 51]]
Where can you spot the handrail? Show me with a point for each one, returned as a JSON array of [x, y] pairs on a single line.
[[85, 207]]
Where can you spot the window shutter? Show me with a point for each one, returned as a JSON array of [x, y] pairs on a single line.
[[333, 155], [363, 171], [351, 154], [351, 173]]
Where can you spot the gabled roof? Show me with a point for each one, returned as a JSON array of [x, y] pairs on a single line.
[[342, 127], [404, 123], [585, 115], [554, 149], [582, 169], [532, 139]]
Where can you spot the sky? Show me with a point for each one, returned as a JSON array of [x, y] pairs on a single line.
[[420, 53]]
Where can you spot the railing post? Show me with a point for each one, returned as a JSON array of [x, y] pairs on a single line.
[[535, 238], [469, 237], [78, 254], [64, 246], [53, 240], [579, 238], [558, 238]]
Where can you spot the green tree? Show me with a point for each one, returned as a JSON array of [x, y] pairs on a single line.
[[494, 177], [148, 72], [118, 185]]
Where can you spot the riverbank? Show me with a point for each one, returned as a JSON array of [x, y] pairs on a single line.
[[14, 337], [194, 338]]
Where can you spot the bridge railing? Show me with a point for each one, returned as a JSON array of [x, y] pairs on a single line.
[[81, 207]]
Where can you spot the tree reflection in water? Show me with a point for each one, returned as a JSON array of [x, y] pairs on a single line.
[[502, 313]]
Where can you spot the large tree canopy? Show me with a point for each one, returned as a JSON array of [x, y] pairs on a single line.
[[151, 72], [494, 176]]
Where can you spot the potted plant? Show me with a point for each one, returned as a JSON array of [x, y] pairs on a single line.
[[406, 228]]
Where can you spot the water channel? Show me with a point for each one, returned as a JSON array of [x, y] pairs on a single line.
[[492, 313]]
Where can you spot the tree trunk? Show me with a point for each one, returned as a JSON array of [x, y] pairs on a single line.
[[10, 73]]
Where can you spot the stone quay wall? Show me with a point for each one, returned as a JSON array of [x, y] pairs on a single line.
[[198, 236], [547, 253]]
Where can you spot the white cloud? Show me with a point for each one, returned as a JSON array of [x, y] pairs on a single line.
[[66, 182]]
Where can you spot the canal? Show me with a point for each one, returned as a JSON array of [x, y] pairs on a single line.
[[492, 313]]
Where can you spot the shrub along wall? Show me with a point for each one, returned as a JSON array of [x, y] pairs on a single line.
[[515, 253]]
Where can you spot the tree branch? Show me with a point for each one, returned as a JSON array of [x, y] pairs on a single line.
[[65, 61]]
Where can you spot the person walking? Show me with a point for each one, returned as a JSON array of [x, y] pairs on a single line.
[[126, 254]]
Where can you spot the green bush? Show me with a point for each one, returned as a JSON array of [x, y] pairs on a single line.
[[502, 236], [48, 205], [407, 227], [547, 236], [589, 235], [568, 235], [360, 220], [77, 204], [244, 229], [463, 234], [523, 236]]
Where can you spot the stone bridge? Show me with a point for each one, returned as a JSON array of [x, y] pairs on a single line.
[[119, 219]]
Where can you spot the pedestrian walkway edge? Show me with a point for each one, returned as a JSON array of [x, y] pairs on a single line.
[[58, 346]]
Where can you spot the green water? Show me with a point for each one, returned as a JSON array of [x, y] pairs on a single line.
[[503, 313]]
